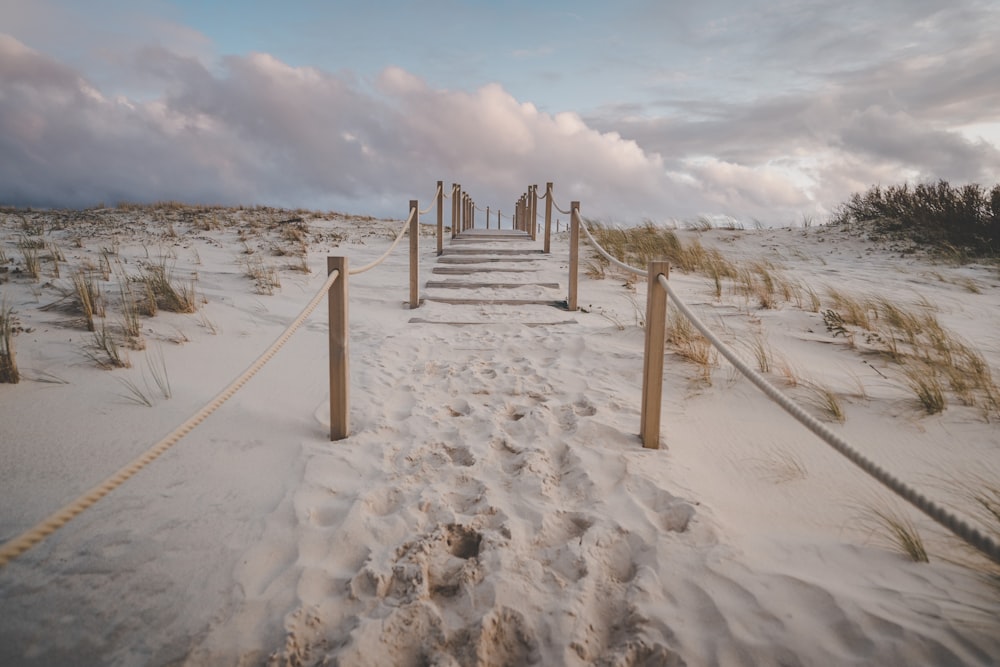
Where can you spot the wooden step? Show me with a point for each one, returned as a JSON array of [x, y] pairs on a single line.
[[482, 260], [499, 302], [453, 284], [466, 270], [491, 251], [418, 320]]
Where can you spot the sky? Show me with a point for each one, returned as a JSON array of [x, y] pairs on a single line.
[[774, 111]]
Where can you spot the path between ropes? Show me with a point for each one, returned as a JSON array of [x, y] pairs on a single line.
[[482, 270]]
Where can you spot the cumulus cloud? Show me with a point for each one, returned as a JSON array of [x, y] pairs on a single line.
[[254, 129], [264, 131]]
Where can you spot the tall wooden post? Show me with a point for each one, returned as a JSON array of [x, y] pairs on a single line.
[[455, 194], [339, 352], [487, 217], [534, 212], [652, 368], [440, 220], [414, 255], [548, 218], [574, 253]]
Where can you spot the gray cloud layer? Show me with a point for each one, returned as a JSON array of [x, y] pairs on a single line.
[[256, 130]]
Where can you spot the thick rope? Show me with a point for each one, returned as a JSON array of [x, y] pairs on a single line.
[[945, 518], [437, 193], [372, 265], [60, 518], [608, 256], [556, 206]]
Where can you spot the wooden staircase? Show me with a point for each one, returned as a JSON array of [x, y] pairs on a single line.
[[502, 269]]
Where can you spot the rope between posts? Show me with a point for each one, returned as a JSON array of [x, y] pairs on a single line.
[[960, 528], [608, 256], [399, 237], [556, 206], [437, 193], [61, 517]]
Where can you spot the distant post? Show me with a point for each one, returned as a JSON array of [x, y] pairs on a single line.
[[548, 218], [414, 255], [574, 253], [440, 221], [339, 353], [652, 368], [487, 217]]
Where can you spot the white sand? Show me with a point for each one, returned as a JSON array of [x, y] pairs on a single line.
[[493, 505]]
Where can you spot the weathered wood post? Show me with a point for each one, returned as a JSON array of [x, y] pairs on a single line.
[[339, 353], [652, 367], [440, 221], [574, 253], [533, 215], [548, 218], [414, 254], [487, 217], [455, 194]]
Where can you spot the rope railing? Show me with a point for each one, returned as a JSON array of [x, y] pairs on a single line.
[[653, 379], [434, 199], [50, 524], [337, 270], [399, 237], [939, 514]]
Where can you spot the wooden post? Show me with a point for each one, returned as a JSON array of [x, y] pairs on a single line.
[[548, 218], [574, 253], [455, 190], [414, 256], [487, 217], [533, 205], [440, 227], [339, 353], [652, 367]]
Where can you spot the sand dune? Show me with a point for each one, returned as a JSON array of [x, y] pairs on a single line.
[[493, 505]]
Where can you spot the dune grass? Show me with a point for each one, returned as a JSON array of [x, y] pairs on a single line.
[[165, 291], [9, 373], [893, 526]]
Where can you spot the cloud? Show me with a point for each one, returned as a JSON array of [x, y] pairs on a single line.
[[857, 101], [262, 131]]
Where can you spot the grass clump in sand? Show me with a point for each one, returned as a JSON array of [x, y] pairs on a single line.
[[165, 292], [105, 351], [8, 355], [685, 340], [895, 528], [934, 362], [265, 277], [32, 259]]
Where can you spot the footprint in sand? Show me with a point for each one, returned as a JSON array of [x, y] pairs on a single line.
[[460, 456]]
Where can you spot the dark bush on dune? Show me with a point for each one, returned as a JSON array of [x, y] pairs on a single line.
[[944, 217]]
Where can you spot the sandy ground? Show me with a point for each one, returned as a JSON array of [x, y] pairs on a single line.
[[493, 505]]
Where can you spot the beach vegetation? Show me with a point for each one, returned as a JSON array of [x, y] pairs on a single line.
[[957, 222], [8, 354]]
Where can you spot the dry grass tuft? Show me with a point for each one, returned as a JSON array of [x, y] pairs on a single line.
[[164, 292], [895, 528], [8, 354]]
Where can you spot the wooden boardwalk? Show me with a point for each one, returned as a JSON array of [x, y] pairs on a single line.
[[475, 256]]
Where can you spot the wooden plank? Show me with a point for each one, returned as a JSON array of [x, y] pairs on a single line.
[[491, 251], [482, 260], [418, 320], [466, 270], [450, 284], [499, 302]]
